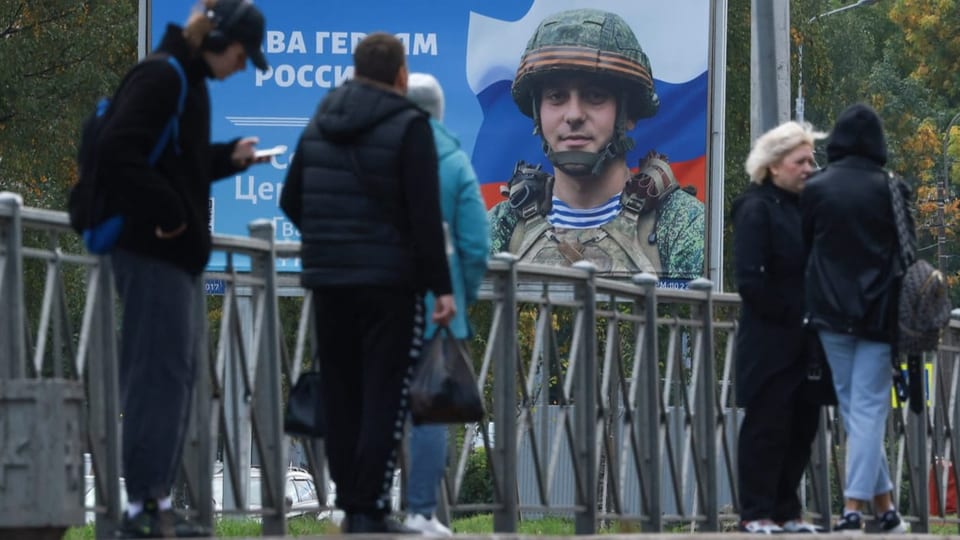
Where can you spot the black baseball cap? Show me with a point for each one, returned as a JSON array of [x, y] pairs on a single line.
[[240, 20]]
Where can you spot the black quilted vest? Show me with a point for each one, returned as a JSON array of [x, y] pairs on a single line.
[[355, 226]]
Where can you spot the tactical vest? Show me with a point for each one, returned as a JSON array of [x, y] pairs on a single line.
[[624, 246]]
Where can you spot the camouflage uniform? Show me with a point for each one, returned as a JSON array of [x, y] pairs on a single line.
[[663, 234], [660, 228]]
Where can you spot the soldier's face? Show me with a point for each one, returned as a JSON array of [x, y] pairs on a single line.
[[576, 114], [793, 169]]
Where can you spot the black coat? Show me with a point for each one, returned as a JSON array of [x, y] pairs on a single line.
[[852, 273], [768, 269], [177, 189]]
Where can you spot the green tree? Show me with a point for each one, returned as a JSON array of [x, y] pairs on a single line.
[[930, 46], [927, 56], [57, 57], [737, 121]]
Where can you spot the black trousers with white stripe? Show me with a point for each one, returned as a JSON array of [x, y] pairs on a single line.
[[369, 339]]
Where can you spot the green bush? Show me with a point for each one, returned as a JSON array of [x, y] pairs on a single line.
[[477, 485]]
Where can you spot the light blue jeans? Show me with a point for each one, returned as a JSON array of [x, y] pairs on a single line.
[[862, 377], [428, 459]]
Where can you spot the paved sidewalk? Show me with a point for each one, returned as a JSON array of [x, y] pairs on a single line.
[[634, 536]]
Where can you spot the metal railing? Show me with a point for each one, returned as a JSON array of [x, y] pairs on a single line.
[[617, 397]]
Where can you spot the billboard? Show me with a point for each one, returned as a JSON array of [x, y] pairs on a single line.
[[473, 47]]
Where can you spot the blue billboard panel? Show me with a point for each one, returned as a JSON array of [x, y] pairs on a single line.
[[473, 48]]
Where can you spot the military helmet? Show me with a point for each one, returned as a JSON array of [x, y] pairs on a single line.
[[586, 41]]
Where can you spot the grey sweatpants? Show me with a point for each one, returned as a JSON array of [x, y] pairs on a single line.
[[161, 325]]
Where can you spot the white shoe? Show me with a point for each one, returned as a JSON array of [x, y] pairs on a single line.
[[800, 526], [428, 527], [760, 526]]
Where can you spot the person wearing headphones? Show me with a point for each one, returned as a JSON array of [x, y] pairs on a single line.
[[165, 240]]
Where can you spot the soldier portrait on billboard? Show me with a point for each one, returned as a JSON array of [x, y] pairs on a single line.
[[585, 82]]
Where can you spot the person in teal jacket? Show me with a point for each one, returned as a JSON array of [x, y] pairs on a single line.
[[468, 243]]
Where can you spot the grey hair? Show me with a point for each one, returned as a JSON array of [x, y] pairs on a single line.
[[773, 145], [424, 90]]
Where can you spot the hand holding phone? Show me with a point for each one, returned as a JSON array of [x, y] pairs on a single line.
[[269, 152]]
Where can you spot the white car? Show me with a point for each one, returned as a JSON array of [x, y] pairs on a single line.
[[300, 494]]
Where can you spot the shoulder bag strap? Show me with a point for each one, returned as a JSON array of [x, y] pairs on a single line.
[[907, 255], [171, 132], [907, 249]]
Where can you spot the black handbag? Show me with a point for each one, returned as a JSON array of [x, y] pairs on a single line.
[[444, 389], [305, 415], [818, 385]]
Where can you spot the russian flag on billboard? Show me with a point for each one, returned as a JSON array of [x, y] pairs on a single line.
[[674, 35]]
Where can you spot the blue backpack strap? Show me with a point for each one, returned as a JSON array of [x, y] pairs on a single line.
[[172, 129]]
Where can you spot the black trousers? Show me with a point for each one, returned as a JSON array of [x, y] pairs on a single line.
[[158, 365], [369, 339], [773, 449]]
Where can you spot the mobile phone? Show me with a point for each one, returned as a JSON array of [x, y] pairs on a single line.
[[269, 152]]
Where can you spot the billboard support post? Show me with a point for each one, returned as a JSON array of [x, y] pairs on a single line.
[[716, 141], [143, 28], [769, 65]]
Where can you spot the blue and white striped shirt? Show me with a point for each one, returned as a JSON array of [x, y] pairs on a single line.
[[561, 215]]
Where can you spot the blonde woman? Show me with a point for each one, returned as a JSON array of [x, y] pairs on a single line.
[[772, 353]]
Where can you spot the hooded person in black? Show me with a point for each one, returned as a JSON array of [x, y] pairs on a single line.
[[851, 278], [363, 189], [165, 241]]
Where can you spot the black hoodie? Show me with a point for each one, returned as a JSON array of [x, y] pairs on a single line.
[[363, 188], [858, 132], [849, 233], [177, 189]]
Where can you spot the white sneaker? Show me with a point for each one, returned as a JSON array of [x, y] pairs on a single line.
[[428, 527], [760, 526], [800, 526]]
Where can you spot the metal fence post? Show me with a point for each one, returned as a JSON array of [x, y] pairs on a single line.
[[706, 405], [585, 397], [199, 446], [819, 471], [41, 427], [504, 457], [648, 408], [267, 398], [104, 417], [13, 343], [950, 409], [918, 467]]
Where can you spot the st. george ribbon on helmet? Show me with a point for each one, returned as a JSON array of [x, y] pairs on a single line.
[[587, 43]]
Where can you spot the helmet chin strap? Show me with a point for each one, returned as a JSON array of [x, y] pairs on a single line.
[[578, 163]]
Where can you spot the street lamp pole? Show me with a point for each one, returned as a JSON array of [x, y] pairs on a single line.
[[941, 198], [798, 103]]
